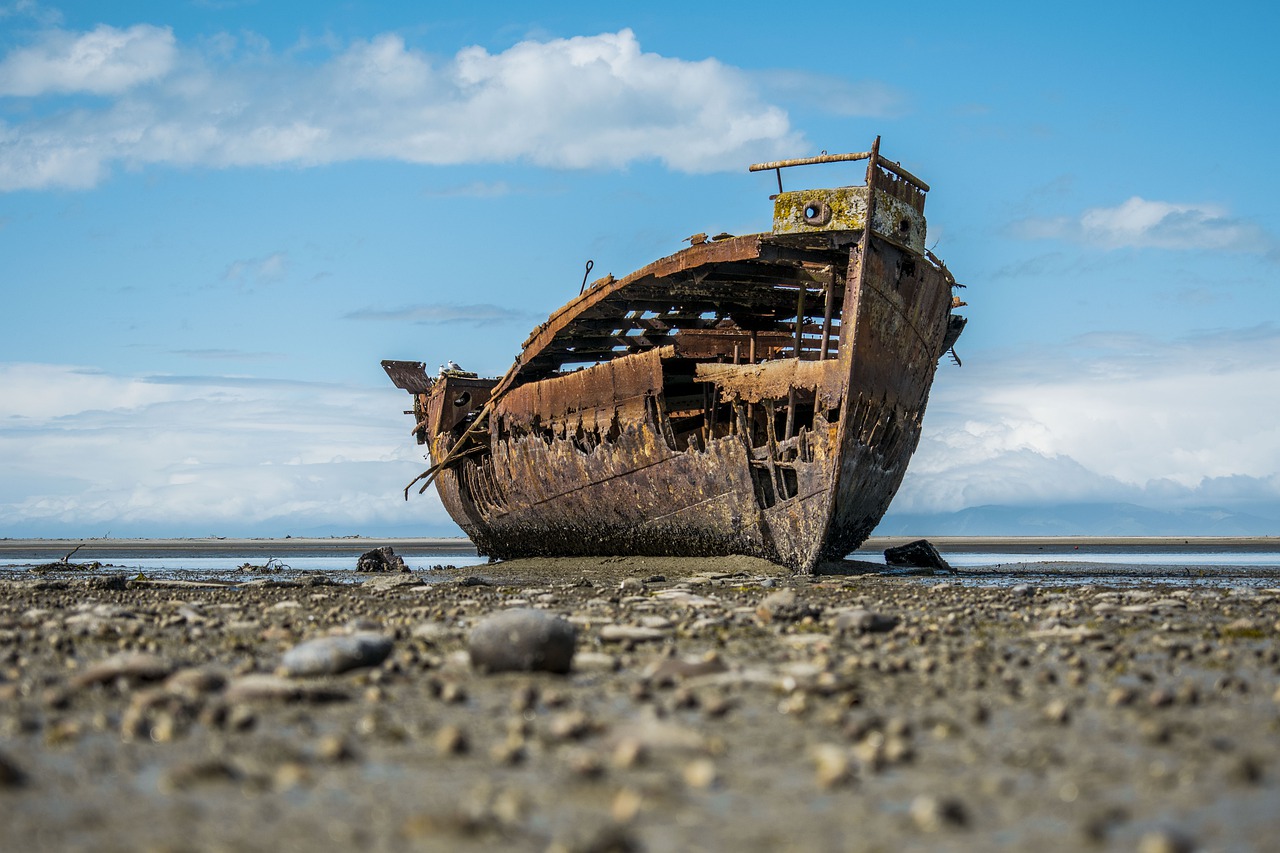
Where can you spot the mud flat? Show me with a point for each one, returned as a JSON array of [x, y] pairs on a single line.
[[711, 704]]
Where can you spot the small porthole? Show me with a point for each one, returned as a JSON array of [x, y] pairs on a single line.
[[904, 227], [462, 399], [817, 213]]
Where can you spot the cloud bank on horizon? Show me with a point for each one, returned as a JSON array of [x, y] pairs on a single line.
[[1115, 419], [90, 453], [1171, 420], [1024, 430]]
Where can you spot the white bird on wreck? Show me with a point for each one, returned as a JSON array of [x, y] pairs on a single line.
[[453, 365]]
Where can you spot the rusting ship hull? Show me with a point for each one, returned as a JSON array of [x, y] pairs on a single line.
[[755, 395]]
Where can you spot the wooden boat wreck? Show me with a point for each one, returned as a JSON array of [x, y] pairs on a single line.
[[756, 395]]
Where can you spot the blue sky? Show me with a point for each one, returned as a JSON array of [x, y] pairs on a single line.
[[216, 218]]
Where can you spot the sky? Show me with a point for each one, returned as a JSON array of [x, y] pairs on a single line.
[[218, 217]]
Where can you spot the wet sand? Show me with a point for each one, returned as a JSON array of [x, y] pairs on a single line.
[[712, 704]]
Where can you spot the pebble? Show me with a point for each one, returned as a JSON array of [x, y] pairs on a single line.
[[570, 725], [451, 740], [11, 775], [1077, 634], [189, 774], [861, 621], [652, 735], [130, 666], [932, 814], [630, 752], [833, 765], [432, 632], [700, 773], [626, 805], [784, 606], [1165, 841], [393, 580], [1058, 711], [197, 681], [669, 670], [633, 634], [595, 662], [522, 641], [257, 687], [334, 655]]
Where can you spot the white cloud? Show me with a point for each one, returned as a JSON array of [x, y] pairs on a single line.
[[1104, 419], [103, 61], [82, 452], [583, 102], [1141, 223]]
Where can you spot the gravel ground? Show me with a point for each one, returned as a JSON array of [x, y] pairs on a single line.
[[711, 704]]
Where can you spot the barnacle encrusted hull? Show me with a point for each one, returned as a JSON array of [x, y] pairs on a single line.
[[755, 395]]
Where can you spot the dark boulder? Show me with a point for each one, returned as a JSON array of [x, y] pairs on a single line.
[[382, 559], [919, 554]]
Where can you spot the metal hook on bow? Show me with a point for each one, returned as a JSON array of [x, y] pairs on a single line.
[[586, 273]]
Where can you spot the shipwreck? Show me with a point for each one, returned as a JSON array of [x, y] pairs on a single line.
[[758, 394]]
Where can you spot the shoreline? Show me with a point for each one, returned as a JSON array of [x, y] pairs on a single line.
[[458, 545]]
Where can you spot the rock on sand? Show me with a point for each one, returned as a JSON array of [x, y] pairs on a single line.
[[522, 641]]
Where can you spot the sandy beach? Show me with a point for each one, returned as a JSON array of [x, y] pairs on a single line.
[[711, 704]]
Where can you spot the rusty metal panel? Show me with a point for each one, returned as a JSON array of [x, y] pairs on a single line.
[[601, 386], [409, 375], [455, 399]]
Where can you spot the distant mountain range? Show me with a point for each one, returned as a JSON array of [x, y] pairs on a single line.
[[1090, 519]]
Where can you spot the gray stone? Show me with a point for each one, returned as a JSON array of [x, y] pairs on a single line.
[[785, 606], [197, 681], [396, 580], [522, 640], [333, 655], [632, 634], [860, 621], [133, 667], [259, 687]]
